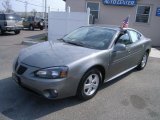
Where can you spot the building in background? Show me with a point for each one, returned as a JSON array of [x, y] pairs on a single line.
[[144, 14]]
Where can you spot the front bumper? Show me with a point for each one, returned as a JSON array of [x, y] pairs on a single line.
[[12, 28], [51, 89], [48, 88]]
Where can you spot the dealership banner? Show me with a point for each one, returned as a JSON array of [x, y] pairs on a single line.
[[120, 2]]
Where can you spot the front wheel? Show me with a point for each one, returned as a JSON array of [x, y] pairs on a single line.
[[89, 84], [31, 27], [143, 61], [1, 32]]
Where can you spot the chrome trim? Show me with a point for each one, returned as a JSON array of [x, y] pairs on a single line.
[[120, 74]]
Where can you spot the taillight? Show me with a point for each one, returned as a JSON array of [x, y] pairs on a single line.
[[5, 23]]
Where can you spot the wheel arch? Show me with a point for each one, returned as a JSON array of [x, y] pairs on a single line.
[[100, 68]]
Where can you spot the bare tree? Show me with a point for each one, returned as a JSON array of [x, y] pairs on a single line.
[[7, 6], [34, 12]]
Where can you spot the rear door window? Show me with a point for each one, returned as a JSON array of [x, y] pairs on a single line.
[[1, 16]]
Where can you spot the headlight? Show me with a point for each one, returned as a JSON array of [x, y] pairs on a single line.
[[52, 73]]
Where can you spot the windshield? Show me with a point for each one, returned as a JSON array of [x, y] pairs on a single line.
[[13, 17], [92, 37]]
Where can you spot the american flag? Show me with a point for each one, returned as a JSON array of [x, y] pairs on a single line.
[[125, 22]]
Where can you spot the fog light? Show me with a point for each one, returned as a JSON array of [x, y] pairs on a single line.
[[50, 93]]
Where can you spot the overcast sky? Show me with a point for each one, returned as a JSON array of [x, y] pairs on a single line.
[[19, 6]]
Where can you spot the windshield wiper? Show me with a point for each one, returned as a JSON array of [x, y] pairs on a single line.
[[75, 43], [61, 39]]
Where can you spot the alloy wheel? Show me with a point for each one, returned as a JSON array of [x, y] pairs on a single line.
[[144, 61], [91, 84]]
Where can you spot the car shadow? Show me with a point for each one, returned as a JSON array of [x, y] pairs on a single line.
[[8, 34], [17, 103], [156, 47], [36, 29], [107, 84], [36, 36]]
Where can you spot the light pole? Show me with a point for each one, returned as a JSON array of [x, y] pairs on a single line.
[[26, 4], [45, 19]]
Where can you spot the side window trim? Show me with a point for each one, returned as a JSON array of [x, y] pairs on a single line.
[[129, 39], [139, 35]]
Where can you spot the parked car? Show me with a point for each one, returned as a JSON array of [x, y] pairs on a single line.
[[10, 22], [32, 22], [83, 60]]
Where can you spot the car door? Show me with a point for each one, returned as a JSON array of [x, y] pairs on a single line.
[[120, 60], [136, 48], [27, 22]]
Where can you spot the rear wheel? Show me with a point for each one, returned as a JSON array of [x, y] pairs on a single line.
[[143, 61], [41, 27], [89, 84], [17, 32]]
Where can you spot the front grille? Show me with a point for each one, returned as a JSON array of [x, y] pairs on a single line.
[[21, 70]]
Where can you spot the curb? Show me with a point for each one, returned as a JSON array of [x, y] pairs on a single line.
[[29, 42]]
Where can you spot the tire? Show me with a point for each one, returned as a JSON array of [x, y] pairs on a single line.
[[143, 62], [1, 32], [41, 27], [31, 27], [17, 32], [89, 84]]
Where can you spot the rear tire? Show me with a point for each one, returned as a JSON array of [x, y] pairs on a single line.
[[41, 27], [89, 84], [143, 62], [17, 32]]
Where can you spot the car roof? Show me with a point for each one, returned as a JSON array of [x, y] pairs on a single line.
[[113, 27]]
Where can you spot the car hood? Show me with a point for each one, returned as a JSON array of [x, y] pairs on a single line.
[[49, 54]]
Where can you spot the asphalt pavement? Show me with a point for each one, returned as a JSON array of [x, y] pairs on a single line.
[[133, 96]]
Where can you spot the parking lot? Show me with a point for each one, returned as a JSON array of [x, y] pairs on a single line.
[[134, 96]]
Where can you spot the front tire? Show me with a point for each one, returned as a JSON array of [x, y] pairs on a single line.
[[89, 84], [143, 62], [31, 27], [1, 32]]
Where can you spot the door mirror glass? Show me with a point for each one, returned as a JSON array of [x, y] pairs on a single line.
[[119, 47]]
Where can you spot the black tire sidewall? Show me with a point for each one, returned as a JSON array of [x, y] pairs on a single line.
[[17, 32], [41, 27], [80, 92], [1, 31], [31, 27]]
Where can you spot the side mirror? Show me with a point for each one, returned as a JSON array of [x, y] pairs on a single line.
[[119, 47]]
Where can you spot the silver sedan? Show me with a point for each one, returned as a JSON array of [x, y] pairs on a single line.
[[81, 61]]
